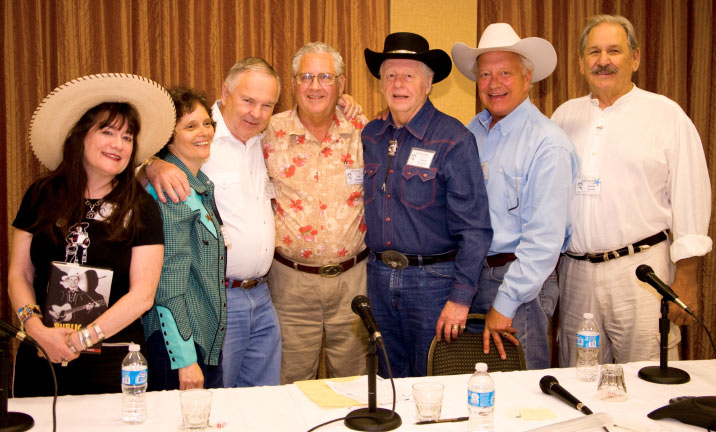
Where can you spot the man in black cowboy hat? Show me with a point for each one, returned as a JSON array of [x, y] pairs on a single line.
[[425, 206]]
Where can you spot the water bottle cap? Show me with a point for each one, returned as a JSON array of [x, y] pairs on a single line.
[[481, 367], [588, 315], [133, 347]]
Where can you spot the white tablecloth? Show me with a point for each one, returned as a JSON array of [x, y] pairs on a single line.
[[286, 408]]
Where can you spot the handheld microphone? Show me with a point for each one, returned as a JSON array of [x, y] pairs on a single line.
[[646, 274], [550, 386], [361, 307], [11, 331]]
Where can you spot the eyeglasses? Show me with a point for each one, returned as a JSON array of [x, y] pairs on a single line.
[[323, 78]]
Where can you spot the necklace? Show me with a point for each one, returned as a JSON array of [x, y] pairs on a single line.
[[91, 213]]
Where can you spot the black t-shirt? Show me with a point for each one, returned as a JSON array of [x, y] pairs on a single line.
[[99, 252]]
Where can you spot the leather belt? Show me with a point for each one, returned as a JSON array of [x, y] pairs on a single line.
[[500, 259], [632, 249], [397, 260], [328, 270], [245, 284]]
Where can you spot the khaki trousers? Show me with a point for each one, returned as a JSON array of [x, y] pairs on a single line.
[[307, 304]]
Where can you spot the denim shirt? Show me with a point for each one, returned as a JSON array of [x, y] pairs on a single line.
[[429, 210], [529, 167]]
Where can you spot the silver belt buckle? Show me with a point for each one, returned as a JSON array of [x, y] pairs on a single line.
[[394, 259], [330, 270]]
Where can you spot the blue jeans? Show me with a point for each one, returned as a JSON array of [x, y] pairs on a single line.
[[531, 319], [406, 304], [251, 355]]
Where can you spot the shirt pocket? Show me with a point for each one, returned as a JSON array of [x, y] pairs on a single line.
[[228, 186], [370, 174], [418, 187], [514, 187]]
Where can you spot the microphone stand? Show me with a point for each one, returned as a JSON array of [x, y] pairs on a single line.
[[9, 421], [372, 418], [663, 374]]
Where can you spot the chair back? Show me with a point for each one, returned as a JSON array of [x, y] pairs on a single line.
[[460, 355]]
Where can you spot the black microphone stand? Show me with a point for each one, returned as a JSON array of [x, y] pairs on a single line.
[[9, 421], [663, 374], [372, 418]]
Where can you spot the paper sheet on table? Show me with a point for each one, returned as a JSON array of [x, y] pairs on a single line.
[[358, 389], [324, 396]]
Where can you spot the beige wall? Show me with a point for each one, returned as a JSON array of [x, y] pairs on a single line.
[[442, 23]]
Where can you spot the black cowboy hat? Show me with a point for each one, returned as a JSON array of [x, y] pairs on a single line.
[[412, 47]]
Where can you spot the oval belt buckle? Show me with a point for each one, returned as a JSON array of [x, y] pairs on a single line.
[[394, 259], [330, 270]]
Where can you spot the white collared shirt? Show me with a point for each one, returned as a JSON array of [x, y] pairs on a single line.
[[239, 174], [647, 157]]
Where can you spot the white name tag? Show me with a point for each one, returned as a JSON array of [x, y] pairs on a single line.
[[420, 158], [225, 234], [484, 170], [354, 176], [588, 186], [270, 190]]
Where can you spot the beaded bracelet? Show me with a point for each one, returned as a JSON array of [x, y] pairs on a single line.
[[28, 311], [98, 331]]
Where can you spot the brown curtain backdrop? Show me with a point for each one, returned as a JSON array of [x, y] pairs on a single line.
[[678, 57], [187, 42]]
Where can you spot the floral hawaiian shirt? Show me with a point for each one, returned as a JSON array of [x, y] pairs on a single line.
[[319, 188]]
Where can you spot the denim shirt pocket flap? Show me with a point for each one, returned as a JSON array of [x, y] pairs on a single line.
[[424, 174], [370, 169]]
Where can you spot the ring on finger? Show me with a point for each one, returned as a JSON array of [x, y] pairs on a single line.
[[505, 334], [455, 327], [70, 346], [64, 361]]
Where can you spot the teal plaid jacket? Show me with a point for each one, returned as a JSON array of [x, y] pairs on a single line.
[[191, 287]]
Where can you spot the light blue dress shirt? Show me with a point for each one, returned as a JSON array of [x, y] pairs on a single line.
[[529, 166]]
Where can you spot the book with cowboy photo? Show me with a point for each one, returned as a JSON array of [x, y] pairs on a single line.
[[76, 296]]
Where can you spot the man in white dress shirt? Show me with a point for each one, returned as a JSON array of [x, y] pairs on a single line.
[[642, 197], [251, 354]]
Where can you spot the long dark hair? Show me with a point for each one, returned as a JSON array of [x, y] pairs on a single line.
[[60, 194]]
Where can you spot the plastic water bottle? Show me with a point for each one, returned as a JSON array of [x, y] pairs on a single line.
[[588, 349], [134, 386], [481, 400]]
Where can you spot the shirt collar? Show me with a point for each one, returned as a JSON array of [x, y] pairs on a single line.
[[198, 182], [622, 99], [339, 125], [222, 132], [418, 125], [514, 119]]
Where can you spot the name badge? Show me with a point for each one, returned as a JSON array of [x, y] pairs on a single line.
[[225, 234], [270, 190], [420, 158], [484, 170], [354, 176], [588, 186]]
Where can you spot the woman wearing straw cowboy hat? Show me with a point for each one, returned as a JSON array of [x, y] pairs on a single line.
[[87, 132], [529, 165]]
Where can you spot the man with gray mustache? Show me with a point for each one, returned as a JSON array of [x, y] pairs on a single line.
[[642, 196]]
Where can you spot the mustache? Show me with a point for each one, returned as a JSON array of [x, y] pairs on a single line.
[[602, 69]]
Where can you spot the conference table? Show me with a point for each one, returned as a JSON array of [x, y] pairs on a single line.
[[287, 408]]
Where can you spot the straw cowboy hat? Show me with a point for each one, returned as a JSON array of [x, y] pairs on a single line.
[[412, 47], [501, 37], [58, 113]]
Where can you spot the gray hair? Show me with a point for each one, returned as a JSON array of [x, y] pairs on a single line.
[[255, 64], [610, 19], [319, 47], [427, 72]]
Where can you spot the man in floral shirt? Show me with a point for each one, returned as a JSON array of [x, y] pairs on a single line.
[[315, 161]]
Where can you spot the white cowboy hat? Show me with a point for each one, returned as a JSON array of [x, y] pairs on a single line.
[[58, 113], [501, 37]]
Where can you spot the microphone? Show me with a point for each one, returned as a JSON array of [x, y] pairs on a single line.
[[550, 386], [11, 331], [646, 274], [361, 307]]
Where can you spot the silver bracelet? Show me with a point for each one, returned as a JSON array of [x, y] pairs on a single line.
[[98, 331], [85, 337]]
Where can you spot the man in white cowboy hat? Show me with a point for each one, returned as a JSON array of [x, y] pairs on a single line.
[[528, 165], [425, 206], [251, 354], [643, 174]]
